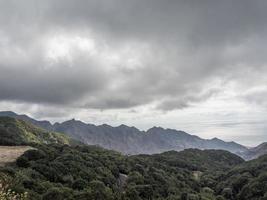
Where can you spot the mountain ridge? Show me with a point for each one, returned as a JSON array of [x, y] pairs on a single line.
[[130, 140]]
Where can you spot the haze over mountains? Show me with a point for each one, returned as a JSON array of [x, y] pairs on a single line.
[[130, 140], [255, 152]]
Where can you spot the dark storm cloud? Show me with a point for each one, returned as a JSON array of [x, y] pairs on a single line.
[[171, 53]]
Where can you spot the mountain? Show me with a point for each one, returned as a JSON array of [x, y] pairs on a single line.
[[90, 172], [130, 140], [18, 132], [255, 152]]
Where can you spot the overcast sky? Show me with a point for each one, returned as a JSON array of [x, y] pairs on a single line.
[[194, 65]]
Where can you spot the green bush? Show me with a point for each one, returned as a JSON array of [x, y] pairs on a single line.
[[79, 184], [22, 162], [89, 172], [54, 193]]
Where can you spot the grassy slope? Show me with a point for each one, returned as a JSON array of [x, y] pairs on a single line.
[[18, 132]]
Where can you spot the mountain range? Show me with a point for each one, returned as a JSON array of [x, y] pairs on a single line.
[[54, 166], [130, 140]]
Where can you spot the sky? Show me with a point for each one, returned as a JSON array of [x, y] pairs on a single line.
[[193, 65]]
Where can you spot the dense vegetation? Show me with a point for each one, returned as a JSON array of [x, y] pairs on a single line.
[[18, 132], [89, 172], [246, 181]]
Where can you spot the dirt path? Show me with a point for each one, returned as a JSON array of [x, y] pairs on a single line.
[[9, 154]]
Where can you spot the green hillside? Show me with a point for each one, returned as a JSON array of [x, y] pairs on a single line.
[[18, 132], [88, 172], [60, 172], [247, 181]]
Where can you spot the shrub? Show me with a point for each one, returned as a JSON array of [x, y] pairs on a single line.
[[23, 162], [53, 193], [79, 184], [34, 154]]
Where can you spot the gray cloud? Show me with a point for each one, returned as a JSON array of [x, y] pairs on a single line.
[[168, 54]]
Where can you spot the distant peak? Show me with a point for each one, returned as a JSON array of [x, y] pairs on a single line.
[[262, 144], [73, 121], [155, 128], [123, 126], [105, 126], [215, 139], [56, 124]]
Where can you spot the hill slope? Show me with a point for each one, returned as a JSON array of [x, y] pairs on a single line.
[[58, 171], [89, 172], [130, 140], [18, 132], [255, 152], [247, 181], [43, 124]]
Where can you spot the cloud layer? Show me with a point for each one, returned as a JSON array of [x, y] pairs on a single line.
[[136, 56], [123, 54]]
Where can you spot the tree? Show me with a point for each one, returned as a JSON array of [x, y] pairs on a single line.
[[99, 191], [22, 162], [53, 193], [79, 184]]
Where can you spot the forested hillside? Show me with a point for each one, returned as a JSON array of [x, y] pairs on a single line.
[[246, 181], [88, 172]]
